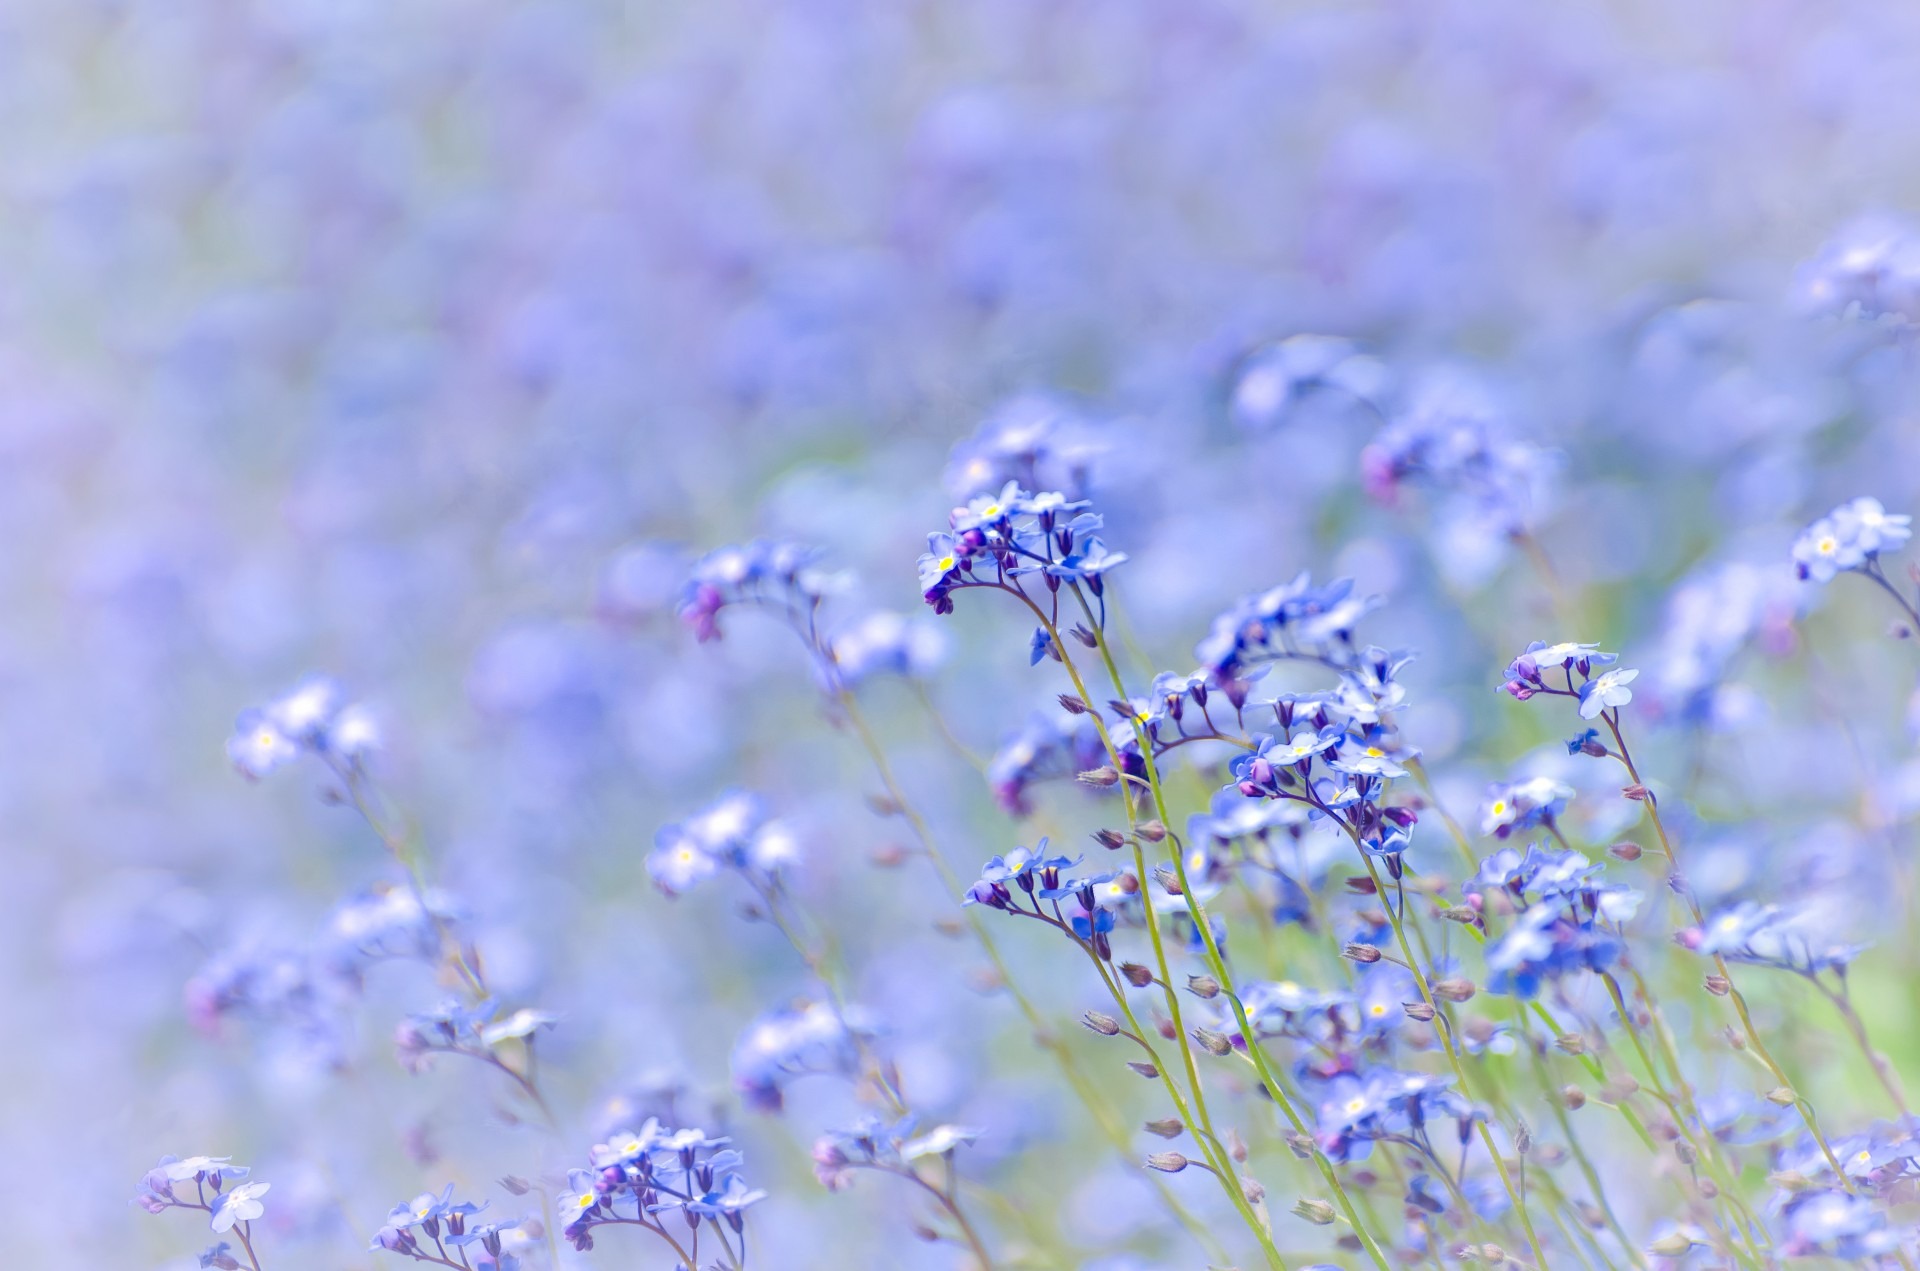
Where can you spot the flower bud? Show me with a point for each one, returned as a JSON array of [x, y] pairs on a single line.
[[1782, 1096], [1152, 831], [1638, 793], [1105, 1025], [1167, 1162], [1790, 1180], [1684, 1152], [1102, 776], [1144, 1069], [1591, 1214], [1301, 1145], [1418, 1010], [1236, 1146], [1454, 989], [1136, 975], [1072, 705], [1166, 1128], [1719, 985], [1672, 1246], [1572, 1098], [1493, 1255], [1317, 1212], [1571, 1043], [1460, 913], [1213, 1043], [1112, 840], [1251, 1189], [1625, 851], [1363, 953], [1203, 986], [1709, 1189]]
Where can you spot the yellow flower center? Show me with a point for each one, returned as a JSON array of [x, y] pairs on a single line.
[[1828, 546], [946, 562]]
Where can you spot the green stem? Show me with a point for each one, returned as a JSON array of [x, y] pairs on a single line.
[[1215, 963], [1082, 1085]]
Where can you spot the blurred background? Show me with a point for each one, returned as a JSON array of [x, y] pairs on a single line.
[[422, 345]]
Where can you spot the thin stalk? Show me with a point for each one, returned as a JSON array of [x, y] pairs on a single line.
[[1083, 1087], [1215, 963], [1758, 1046]]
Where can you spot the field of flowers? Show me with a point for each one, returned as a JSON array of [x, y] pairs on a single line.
[[960, 636]]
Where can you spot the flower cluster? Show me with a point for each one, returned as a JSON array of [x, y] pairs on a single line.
[[313, 717], [1534, 670], [889, 1148], [734, 832], [231, 1205], [1338, 764], [455, 1027], [437, 1229], [1851, 537], [1773, 936], [1033, 884], [809, 1037], [997, 540], [676, 1184]]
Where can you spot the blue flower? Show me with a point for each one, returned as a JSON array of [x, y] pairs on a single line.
[[1027, 867], [1089, 923], [1535, 801], [938, 565], [729, 1202], [1544, 944], [1609, 688], [1041, 647], [1088, 564], [258, 746]]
